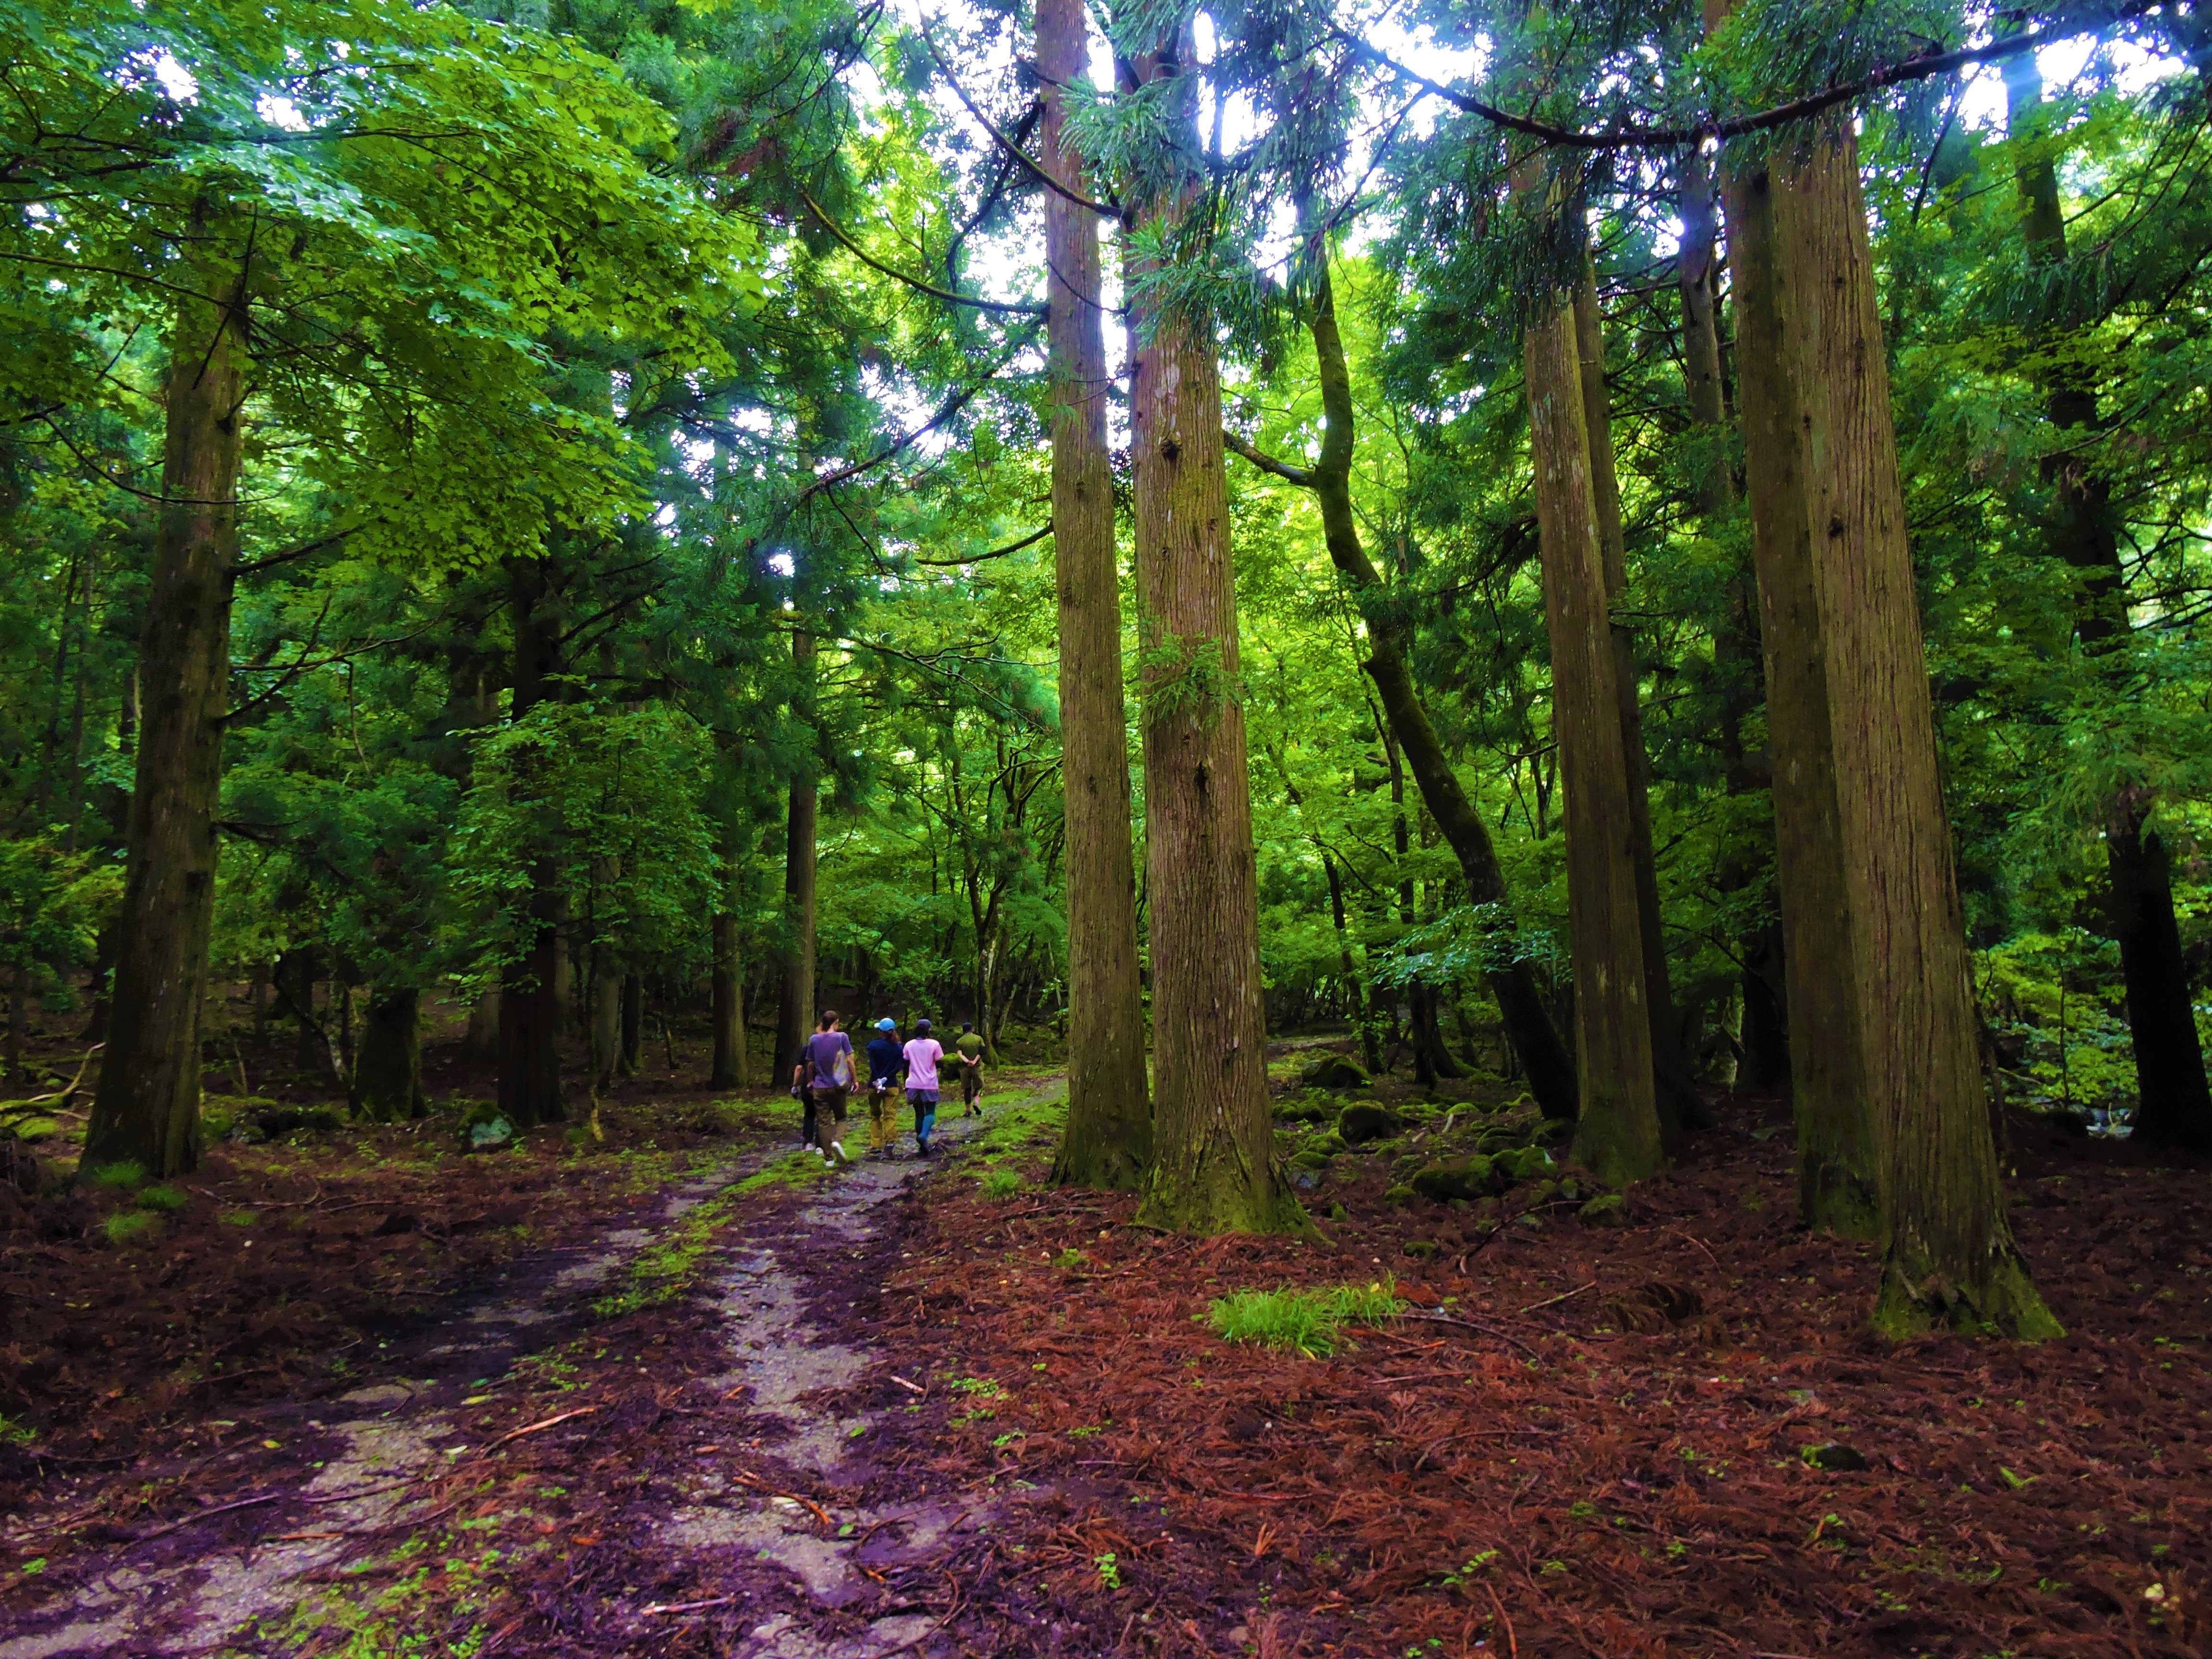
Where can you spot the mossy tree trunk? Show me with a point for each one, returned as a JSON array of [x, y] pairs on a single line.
[[1949, 1252], [146, 1109], [387, 1078], [1108, 1137], [1617, 1130], [1214, 1166], [1681, 1109], [1839, 1183]]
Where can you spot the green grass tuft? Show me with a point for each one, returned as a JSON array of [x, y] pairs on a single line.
[[162, 1197], [126, 1224], [125, 1174], [1002, 1183], [798, 1169], [1309, 1322]]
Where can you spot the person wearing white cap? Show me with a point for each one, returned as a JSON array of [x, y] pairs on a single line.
[[923, 1052]]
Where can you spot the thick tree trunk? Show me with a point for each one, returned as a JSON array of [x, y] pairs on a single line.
[[796, 1011], [387, 1080], [1108, 1137], [481, 1040], [147, 1108], [1681, 1109], [607, 983], [1617, 1133], [1213, 1167], [1949, 1251], [728, 1071], [1838, 1182], [1535, 1042], [2174, 1103], [530, 1008]]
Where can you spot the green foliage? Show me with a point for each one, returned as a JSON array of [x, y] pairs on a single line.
[[1307, 1321]]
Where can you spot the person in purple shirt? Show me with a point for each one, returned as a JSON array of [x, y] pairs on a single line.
[[822, 1079]]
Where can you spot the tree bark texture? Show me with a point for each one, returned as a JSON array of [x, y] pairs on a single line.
[[2173, 1101], [530, 1008], [1681, 1109], [481, 1041], [632, 1057], [1949, 1251], [1108, 1137], [1838, 1183], [1535, 1042], [387, 1078], [146, 1110], [1617, 1132], [796, 1011], [1213, 1165]]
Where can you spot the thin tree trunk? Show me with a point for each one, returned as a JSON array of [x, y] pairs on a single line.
[[1838, 1180], [605, 982], [1681, 1109], [1617, 1133], [1534, 1040], [1108, 1137], [530, 1008], [2174, 1102], [1371, 1045], [1213, 1167], [1949, 1252], [632, 1025], [146, 1110], [387, 1080], [796, 1011]]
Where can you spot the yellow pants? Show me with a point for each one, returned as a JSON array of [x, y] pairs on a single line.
[[882, 1120]]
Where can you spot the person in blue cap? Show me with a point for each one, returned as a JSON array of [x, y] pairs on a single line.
[[885, 1061]]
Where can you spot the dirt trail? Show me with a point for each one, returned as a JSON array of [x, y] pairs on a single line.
[[228, 1581]]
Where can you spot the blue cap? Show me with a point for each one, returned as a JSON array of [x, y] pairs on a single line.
[[886, 1026], [921, 1025]]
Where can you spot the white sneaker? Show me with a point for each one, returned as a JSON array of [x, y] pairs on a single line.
[[838, 1147]]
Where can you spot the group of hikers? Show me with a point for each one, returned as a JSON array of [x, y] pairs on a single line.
[[823, 1078]]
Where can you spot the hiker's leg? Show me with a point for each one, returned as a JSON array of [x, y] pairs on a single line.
[[833, 1123], [807, 1121]]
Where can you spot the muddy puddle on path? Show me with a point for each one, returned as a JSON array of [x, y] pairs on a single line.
[[221, 1582]]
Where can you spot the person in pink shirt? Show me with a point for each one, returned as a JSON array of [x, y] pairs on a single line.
[[922, 1054]]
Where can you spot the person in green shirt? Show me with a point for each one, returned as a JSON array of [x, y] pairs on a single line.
[[970, 1049]]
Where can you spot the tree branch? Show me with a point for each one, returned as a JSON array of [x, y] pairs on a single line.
[[1107, 209], [935, 292], [1299, 476]]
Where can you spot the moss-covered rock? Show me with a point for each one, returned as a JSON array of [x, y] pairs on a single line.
[[1335, 1072], [1524, 1164], [1366, 1121], [1609, 1210], [1470, 1177], [1420, 1249], [1398, 1197], [484, 1128], [1311, 1106]]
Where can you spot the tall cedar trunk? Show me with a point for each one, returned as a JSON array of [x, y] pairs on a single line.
[[1765, 1038], [1838, 1183], [1949, 1251], [1681, 1109], [387, 1080], [19, 1022], [1402, 847], [795, 1011], [1213, 1168], [1108, 1137], [632, 1058], [1535, 1042], [728, 1070], [2174, 1104], [529, 1010], [147, 1108], [1617, 1134]]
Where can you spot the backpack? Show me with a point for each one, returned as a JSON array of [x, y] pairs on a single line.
[[841, 1069]]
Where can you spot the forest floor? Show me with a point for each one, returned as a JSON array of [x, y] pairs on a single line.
[[682, 1392]]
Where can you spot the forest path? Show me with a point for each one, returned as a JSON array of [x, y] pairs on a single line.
[[305, 1555]]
